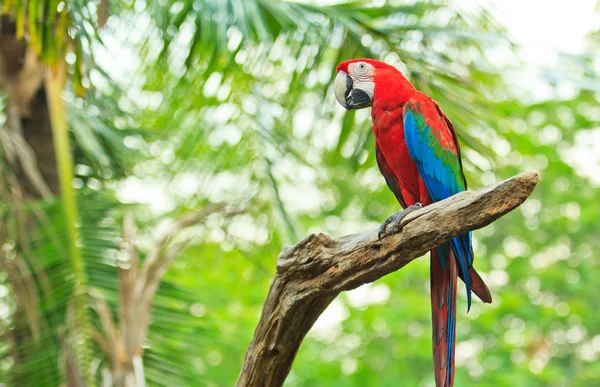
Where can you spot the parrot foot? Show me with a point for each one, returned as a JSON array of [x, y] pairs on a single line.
[[392, 225]]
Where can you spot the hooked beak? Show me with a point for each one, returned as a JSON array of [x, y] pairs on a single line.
[[349, 94]]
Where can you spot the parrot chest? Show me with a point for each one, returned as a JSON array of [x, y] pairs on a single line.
[[389, 135]]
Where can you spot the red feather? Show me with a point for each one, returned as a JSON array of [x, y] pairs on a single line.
[[479, 287], [443, 290]]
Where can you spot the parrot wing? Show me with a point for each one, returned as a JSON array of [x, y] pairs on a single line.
[[434, 148]]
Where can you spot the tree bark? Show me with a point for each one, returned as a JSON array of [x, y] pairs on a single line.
[[312, 273], [21, 76]]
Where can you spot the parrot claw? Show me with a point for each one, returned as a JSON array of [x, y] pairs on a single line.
[[392, 225]]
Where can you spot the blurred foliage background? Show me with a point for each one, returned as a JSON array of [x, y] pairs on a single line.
[[204, 136]]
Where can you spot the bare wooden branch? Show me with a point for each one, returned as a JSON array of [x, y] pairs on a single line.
[[312, 273]]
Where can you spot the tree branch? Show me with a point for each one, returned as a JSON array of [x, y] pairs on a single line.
[[312, 273]]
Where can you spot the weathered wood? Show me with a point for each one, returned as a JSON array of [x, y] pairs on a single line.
[[312, 273]]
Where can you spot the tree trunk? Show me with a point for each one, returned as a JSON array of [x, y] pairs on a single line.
[[37, 132], [27, 113]]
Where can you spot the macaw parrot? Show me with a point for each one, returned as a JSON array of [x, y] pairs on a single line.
[[418, 154]]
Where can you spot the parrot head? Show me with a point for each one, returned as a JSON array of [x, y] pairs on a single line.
[[357, 81]]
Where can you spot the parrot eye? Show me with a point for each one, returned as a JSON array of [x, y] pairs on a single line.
[[361, 71]]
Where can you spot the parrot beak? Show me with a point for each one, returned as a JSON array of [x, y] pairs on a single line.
[[349, 96], [341, 87]]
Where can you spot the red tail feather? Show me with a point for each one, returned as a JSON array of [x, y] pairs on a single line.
[[443, 316], [479, 287]]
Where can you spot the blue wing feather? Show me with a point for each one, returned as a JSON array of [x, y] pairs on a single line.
[[440, 178]]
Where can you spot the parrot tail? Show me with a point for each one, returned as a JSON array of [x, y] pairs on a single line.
[[443, 314], [479, 287]]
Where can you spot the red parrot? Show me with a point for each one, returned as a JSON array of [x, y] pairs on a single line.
[[419, 156]]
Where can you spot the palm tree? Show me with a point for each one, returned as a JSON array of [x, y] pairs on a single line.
[[203, 91]]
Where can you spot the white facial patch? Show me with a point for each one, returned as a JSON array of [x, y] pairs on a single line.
[[362, 74]]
